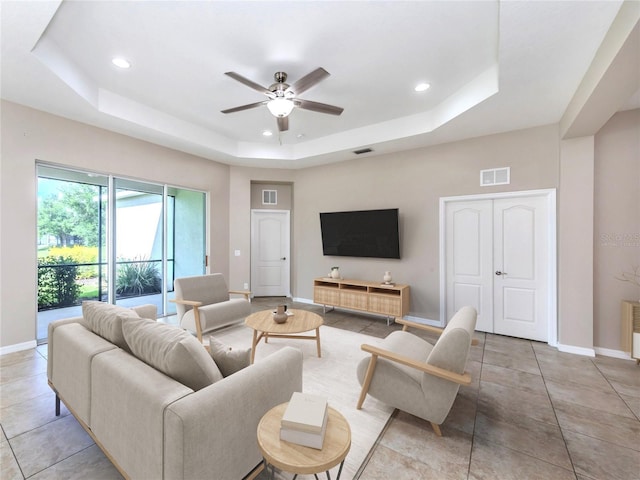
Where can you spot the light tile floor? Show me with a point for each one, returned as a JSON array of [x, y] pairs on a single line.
[[531, 412]]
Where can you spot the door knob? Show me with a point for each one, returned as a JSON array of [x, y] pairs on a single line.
[[500, 273], [283, 258]]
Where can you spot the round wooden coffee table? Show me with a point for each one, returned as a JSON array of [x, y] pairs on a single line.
[[265, 327], [297, 459]]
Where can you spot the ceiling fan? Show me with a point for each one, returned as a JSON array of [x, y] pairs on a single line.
[[284, 97]]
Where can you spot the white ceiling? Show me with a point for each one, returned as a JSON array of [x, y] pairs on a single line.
[[493, 67]]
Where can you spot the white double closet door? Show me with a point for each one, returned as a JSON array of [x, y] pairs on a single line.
[[500, 258]]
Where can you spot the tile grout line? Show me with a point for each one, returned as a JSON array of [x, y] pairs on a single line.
[[564, 440], [475, 418], [614, 389]]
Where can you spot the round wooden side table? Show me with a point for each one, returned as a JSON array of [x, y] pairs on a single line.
[[300, 321], [298, 459]]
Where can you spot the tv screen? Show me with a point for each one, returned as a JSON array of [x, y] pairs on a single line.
[[364, 233]]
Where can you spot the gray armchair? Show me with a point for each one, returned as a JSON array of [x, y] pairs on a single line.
[[203, 303], [415, 376]]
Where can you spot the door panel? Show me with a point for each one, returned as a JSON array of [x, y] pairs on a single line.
[[521, 253], [270, 253], [469, 268]]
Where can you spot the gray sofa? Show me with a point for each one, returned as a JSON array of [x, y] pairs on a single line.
[[177, 419]]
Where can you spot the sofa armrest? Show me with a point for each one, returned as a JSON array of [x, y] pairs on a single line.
[[50, 345], [212, 432]]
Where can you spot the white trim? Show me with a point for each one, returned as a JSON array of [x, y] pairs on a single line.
[[18, 347], [302, 300], [589, 352], [608, 352], [552, 305]]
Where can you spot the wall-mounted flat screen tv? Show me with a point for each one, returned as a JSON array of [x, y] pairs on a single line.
[[363, 233]]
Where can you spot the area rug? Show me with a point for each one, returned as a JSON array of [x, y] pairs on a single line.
[[332, 376]]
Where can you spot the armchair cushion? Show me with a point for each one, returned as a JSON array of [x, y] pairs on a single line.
[[171, 350], [217, 315], [206, 289], [409, 373], [207, 297]]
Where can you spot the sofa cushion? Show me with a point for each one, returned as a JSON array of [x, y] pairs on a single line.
[[172, 351], [106, 320], [227, 359]]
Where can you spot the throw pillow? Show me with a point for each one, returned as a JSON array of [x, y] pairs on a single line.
[[106, 320], [172, 351], [228, 360]]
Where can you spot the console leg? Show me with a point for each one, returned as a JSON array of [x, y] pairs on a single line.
[[57, 405]]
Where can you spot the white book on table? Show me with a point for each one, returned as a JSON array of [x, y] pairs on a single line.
[[305, 412], [306, 439]]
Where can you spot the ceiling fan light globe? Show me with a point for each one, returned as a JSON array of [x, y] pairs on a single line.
[[280, 107]]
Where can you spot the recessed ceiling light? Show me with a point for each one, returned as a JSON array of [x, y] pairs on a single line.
[[120, 62], [267, 133], [421, 87]]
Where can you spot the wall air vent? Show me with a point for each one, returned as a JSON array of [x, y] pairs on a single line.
[[495, 176], [269, 197], [362, 150]]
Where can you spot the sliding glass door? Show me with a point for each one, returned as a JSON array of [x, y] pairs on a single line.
[[139, 243], [92, 228], [187, 243]]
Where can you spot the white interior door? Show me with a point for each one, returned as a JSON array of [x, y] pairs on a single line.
[[521, 267], [469, 268], [270, 252], [498, 260]]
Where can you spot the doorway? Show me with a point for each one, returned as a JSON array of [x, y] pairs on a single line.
[[499, 255], [270, 253]]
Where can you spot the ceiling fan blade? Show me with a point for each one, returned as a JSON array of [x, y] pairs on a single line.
[[308, 81], [317, 107], [283, 124], [249, 83], [245, 107]]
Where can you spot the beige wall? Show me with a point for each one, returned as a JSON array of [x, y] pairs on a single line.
[[412, 181], [29, 135], [617, 222], [284, 196], [241, 180], [575, 244]]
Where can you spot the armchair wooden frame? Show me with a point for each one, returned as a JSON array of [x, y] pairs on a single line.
[[462, 379], [196, 313]]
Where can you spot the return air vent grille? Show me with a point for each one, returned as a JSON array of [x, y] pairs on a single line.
[[495, 176], [269, 197], [362, 150]]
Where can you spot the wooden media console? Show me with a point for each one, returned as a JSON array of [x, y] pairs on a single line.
[[371, 297]]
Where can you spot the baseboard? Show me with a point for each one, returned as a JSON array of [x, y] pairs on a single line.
[[608, 352], [18, 347], [302, 300], [588, 352], [425, 321]]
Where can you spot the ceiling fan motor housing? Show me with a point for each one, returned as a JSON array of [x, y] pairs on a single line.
[[280, 86]]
